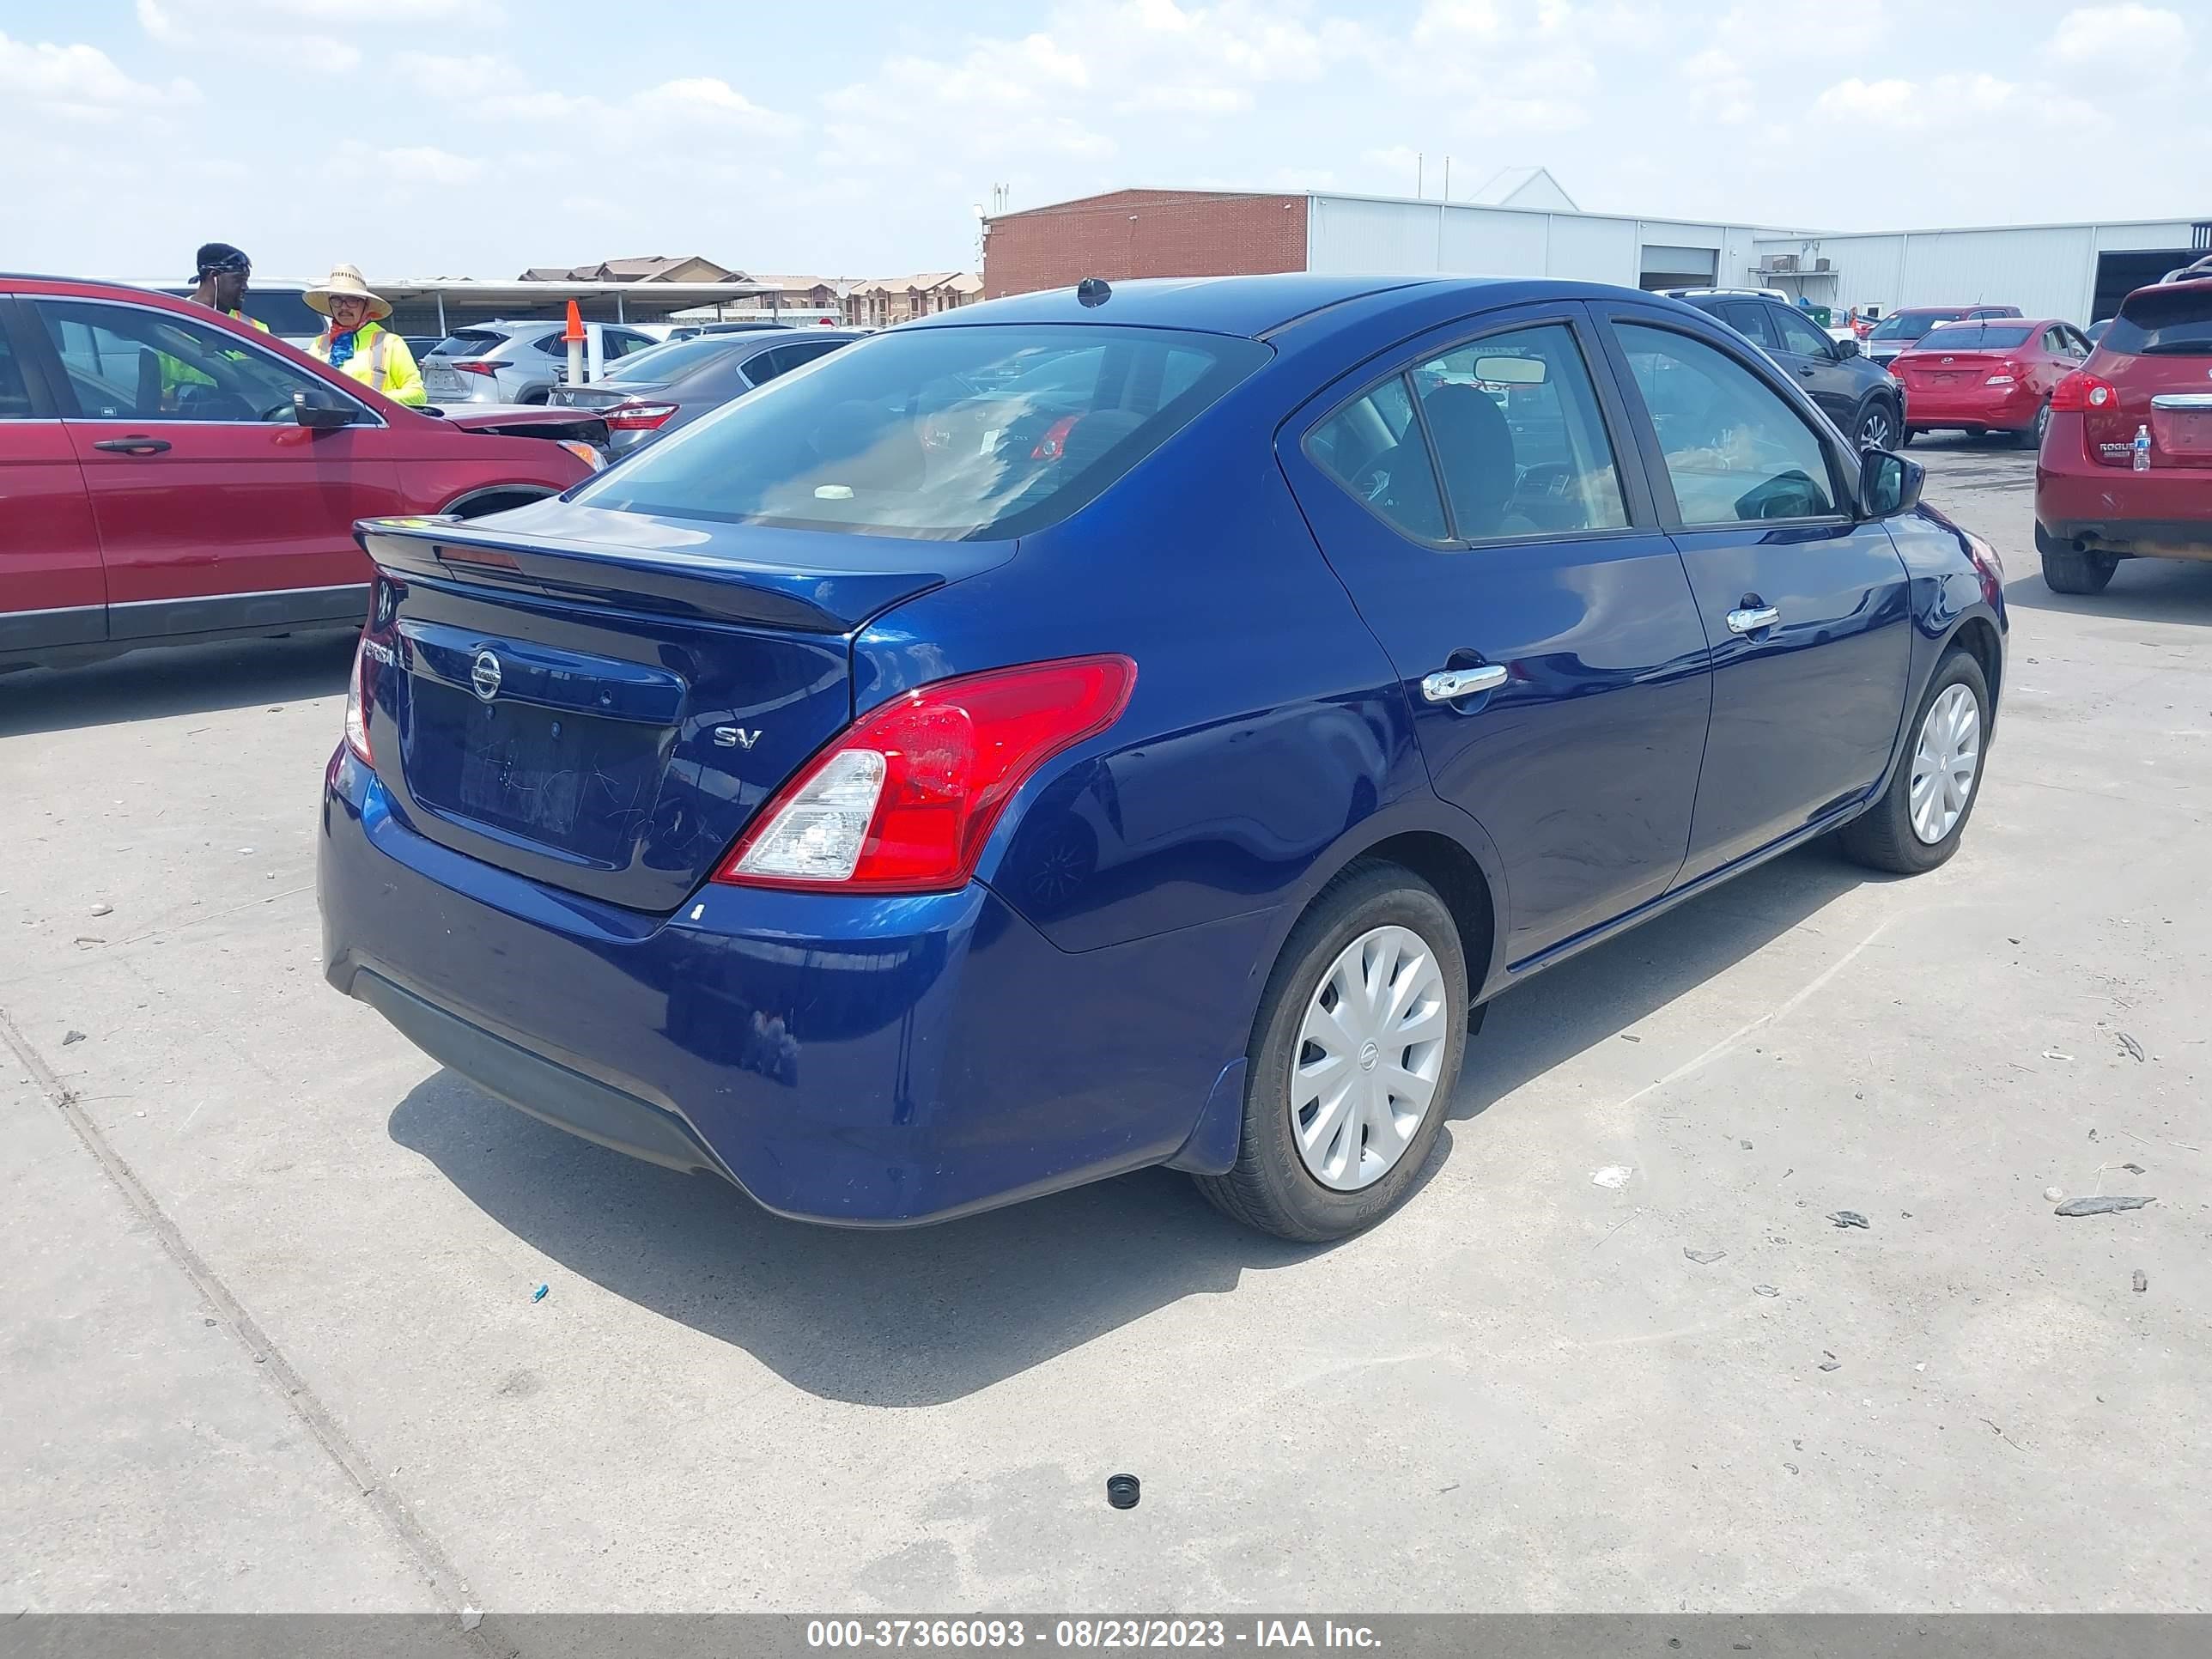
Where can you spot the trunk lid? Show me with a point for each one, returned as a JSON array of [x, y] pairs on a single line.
[[601, 701], [2157, 357], [1954, 371], [604, 394]]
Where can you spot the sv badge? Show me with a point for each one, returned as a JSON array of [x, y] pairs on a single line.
[[735, 737]]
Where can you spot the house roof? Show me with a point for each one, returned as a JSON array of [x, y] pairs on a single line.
[[649, 269], [920, 281]]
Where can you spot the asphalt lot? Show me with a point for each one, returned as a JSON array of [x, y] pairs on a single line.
[[271, 1342]]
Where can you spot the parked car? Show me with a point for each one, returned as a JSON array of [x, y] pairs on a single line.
[[1861, 397], [1898, 331], [2126, 470], [2095, 331], [1162, 771], [1982, 376], [661, 391], [517, 362], [171, 476]]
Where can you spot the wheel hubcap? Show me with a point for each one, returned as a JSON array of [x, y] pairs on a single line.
[[1944, 763], [1369, 1052], [1874, 432]]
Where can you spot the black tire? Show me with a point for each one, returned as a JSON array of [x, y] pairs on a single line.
[[1882, 838], [1875, 424], [2070, 570], [1269, 1187], [2031, 437], [1976, 434], [1905, 437]]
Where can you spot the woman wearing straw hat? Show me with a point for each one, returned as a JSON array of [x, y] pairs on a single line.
[[357, 344]]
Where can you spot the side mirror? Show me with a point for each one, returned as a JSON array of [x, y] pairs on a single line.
[[1847, 348], [319, 413], [1889, 485]]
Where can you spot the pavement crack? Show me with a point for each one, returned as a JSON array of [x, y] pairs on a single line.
[[427, 1555]]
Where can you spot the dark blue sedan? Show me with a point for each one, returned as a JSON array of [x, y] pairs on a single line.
[[1131, 725]]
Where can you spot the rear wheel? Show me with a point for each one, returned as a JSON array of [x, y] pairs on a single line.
[[2031, 437], [1354, 1059], [1917, 822], [2069, 569]]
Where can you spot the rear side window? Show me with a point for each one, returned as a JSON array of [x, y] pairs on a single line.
[[1373, 446], [470, 343], [784, 358], [2163, 320], [1736, 452], [14, 395], [941, 434], [1975, 337]]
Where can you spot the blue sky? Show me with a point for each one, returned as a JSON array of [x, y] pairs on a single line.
[[474, 137]]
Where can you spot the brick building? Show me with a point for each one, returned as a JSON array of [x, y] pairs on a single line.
[[1143, 233]]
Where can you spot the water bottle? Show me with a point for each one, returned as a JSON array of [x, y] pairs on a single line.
[[2142, 448]]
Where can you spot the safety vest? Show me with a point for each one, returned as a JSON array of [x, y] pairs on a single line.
[[250, 322], [380, 359]]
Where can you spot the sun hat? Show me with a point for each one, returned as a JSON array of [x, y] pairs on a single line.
[[346, 281]]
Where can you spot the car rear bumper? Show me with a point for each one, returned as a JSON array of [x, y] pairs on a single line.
[[2164, 513], [2137, 538], [858, 1061], [1942, 408]]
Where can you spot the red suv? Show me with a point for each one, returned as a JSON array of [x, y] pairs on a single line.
[[1991, 375], [168, 475], [2126, 467]]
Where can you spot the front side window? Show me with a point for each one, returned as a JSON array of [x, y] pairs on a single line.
[[1798, 335], [1373, 446], [1519, 441], [14, 395], [941, 434], [127, 364], [1736, 452]]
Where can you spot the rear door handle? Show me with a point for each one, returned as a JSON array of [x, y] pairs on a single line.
[[1750, 619], [1450, 684], [133, 446]]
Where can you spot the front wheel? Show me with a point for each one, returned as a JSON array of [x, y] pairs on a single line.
[[1917, 822], [1354, 1059], [1875, 427]]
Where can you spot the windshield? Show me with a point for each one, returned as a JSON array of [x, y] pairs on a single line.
[[2174, 320], [943, 433], [1975, 337], [1909, 325], [671, 362]]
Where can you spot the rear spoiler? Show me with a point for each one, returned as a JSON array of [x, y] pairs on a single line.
[[716, 586]]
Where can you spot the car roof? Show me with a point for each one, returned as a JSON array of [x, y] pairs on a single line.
[[2003, 322], [1250, 306]]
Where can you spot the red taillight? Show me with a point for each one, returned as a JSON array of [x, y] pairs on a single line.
[[905, 800], [2082, 391], [1054, 444], [636, 417], [356, 708], [471, 366]]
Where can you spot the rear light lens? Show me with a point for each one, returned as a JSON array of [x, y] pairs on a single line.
[[2082, 391], [356, 713], [904, 802], [471, 366], [2007, 374], [637, 418], [1054, 444]]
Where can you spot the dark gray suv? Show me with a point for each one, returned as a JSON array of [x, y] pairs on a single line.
[[1864, 399]]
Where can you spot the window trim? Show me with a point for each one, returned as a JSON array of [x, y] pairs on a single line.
[[62, 390], [1842, 480], [1637, 501]]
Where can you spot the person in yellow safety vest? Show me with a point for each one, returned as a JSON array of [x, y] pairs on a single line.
[[356, 342], [222, 273]]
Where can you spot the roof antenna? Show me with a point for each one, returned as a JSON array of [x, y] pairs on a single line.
[[1093, 291]]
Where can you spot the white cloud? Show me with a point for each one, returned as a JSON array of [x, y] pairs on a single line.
[[80, 82], [2143, 39], [425, 164], [709, 100], [324, 36], [1952, 103]]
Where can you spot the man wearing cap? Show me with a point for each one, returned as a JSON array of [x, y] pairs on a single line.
[[356, 342], [224, 272]]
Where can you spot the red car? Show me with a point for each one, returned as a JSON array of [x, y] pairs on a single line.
[[168, 475], [1988, 374], [2126, 467]]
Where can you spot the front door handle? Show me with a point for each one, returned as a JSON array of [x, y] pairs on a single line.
[[1806, 369], [1751, 618], [1450, 684], [133, 446]]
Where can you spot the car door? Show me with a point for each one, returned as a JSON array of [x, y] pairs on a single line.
[[1806, 606], [214, 507], [52, 589], [1811, 355], [1539, 620]]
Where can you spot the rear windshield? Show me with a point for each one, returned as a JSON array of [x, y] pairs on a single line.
[[2176, 320], [941, 433], [1909, 325], [675, 359], [1975, 337], [469, 343]]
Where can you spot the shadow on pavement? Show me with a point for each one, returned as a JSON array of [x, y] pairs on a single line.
[[925, 1315], [2142, 590], [192, 679]]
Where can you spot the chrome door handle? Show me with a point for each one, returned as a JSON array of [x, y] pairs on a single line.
[[1450, 684], [1750, 621]]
